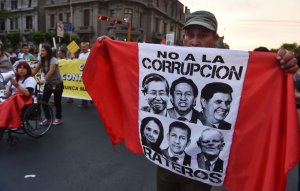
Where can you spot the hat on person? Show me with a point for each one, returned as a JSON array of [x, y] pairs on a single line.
[[202, 18]]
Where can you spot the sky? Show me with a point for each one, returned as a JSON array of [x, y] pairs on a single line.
[[247, 24]]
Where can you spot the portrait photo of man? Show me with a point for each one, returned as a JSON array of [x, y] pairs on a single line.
[[183, 97], [178, 139], [216, 101], [156, 91], [211, 143]]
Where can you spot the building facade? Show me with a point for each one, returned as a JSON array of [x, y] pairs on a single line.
[[150, 20], [25, 17]]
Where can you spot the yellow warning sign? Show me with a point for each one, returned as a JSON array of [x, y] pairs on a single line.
[[73, 47]]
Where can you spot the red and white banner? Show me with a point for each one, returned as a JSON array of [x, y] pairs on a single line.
[[240, 125]]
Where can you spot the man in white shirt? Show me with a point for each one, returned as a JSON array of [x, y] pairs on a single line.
[[84, 51], [83, 56]]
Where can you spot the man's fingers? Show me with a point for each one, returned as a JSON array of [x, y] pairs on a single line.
[[290, 66]]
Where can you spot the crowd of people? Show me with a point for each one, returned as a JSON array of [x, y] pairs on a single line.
[[46, 62]]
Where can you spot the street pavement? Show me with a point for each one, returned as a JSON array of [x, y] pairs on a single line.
[[78, 156]]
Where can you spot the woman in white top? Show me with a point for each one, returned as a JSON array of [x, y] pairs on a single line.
[[23, 82]]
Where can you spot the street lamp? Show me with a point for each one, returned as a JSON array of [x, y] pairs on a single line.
[[127, 20]]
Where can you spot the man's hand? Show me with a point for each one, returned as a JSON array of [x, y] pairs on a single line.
[[287, 61], [103, 37], [42, 81]]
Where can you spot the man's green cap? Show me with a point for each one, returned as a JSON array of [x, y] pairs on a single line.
[[202, 18]]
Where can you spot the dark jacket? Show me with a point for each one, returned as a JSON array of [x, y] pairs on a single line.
[[218, 165], [186, 160], [223, 124], [194, 118]]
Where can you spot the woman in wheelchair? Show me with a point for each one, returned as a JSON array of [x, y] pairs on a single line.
[[23, 82], [30, 115]]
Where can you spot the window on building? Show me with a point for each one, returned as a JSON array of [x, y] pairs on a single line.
[[2, 6], [171, 28], [141, 19], [2, 26], [60, 17], [68, 16], [11, 24], [157, 3], [128, 13], [112, 13], [86, 17], [14, 4], [29, 3], [166, 6], [156, 25], [52, 21], [165, 28], [16, 23], [28, 22]]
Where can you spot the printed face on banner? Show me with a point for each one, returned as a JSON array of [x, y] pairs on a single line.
[[189, 100], [183, 98], [151, 132], [157, 96], [178, 140], [211, 143], [216, 108]]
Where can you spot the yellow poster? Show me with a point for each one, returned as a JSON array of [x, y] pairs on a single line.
[[71, 73], [73, 47]]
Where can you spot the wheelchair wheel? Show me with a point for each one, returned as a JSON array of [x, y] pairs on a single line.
[[33, 117]]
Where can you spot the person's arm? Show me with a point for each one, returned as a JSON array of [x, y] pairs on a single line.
[[287, 61], [20, 89], [36, 70], [7, 91]]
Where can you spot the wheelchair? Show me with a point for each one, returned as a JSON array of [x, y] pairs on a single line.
[[32, 117]]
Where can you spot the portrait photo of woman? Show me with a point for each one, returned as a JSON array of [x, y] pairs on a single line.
[[152, 133]]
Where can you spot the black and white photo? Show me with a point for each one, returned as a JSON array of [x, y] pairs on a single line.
[[152, 133], [179, 137], [183, 97], [211, 142], [216, 101], [156, 90]]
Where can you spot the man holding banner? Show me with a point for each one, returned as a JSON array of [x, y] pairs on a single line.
[[200, 30], [117, 94]]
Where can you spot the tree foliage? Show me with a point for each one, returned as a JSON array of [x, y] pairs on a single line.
[[289, 46], [37, 37], [292, 47], [5, 14], [14, 38]]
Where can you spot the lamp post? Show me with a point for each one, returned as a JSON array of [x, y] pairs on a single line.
[[129, 32], [71, 19], [127, 20]]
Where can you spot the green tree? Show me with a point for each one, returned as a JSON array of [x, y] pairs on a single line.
[[37, 37], [49, 36], [14, 38], [292, 47], [5, 14], [288, 46]]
